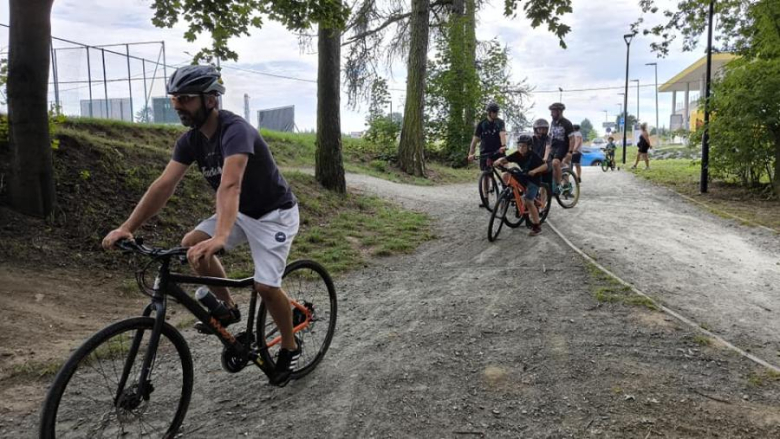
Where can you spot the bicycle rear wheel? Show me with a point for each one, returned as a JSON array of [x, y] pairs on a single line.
[[498, 216], [309, 284], [487, 182], [84, 400], [569, 192]]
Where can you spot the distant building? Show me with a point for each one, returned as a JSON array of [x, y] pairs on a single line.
[[686, 114], [356, 134], [163, 111], [277, 119], [117, 109]]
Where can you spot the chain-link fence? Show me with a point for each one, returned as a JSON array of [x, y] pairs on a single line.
[[119, 81]]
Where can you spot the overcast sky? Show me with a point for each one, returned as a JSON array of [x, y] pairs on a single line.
[[595, 58]]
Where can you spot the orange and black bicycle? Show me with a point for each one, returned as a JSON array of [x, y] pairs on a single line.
[[510, 208]]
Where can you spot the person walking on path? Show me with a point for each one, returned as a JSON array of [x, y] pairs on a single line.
[[644, 145]]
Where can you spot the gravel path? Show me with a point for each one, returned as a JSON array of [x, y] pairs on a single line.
[[467, 338], [721, 274]]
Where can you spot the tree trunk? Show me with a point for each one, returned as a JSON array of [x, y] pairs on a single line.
[[31, 187], [329, 168], [776, 177], [472, 87], [411, 150]]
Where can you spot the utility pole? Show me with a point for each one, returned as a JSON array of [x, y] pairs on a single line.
[[657, 127]]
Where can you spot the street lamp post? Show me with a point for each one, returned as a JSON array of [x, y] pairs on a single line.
[[620, 105], [705, 141], [657, 128], [560, 94], [627, 38]]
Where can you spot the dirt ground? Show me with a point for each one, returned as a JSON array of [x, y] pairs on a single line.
[[466, 338]]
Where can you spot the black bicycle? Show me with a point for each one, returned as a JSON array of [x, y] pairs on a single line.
[[134, 378], [490, 183], [609, 161], [569, 190]]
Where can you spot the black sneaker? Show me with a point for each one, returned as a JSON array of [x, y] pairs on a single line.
[[286, 361], [232, 315], [535, 230]]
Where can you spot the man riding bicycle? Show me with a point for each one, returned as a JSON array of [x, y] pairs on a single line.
[[491, 133], [254, 203], [530, 176], [562, 138]]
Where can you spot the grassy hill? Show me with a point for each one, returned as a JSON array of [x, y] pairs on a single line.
[[102, 169]]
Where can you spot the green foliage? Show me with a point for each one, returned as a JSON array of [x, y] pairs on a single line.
[[3, 79], [494, 85], [745, 128], [586, 128], [689, 21], [383, 128], [543, 12], [225, 19]]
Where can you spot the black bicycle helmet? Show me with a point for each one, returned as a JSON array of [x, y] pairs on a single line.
[[492, 108], [524, 138], [557, 106], [541, 123], [195, 79]]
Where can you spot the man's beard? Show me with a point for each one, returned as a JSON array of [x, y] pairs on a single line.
[[193, 120]]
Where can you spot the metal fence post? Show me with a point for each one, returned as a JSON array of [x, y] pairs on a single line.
[[105, 83]]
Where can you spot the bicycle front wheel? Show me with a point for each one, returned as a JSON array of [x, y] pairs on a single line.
[[514, 218], [569, 192], [543, 201], [498, 217], [85, 400], [488, 189], [310, 285], [605, 165]]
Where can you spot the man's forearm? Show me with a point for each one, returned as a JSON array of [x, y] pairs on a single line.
[[227, 209], [152, 202]]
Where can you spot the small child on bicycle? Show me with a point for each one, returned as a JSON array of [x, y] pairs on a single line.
[[529, 174], [610, 149]]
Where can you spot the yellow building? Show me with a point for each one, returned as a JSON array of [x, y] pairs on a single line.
[[686, 114]]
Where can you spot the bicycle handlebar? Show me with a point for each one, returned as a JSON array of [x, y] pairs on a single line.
[[137, 246]]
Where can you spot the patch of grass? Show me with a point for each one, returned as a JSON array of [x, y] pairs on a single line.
[[608, 290], [33, 370], [360, 157], [705, 326], [702, 340], [765, 376]]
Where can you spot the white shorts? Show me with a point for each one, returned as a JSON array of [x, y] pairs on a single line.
[[270, 238]]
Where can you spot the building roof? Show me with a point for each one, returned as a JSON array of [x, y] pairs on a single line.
[[695, 71]]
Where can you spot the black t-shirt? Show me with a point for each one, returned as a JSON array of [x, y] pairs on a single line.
[[488, 133], [528, 163], [539, 144], [263, 189], [560, 131]]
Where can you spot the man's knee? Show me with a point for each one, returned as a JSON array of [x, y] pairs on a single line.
[[266, 291], [194, 237]]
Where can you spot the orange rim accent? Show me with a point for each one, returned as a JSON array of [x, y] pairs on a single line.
[[303, 324]]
